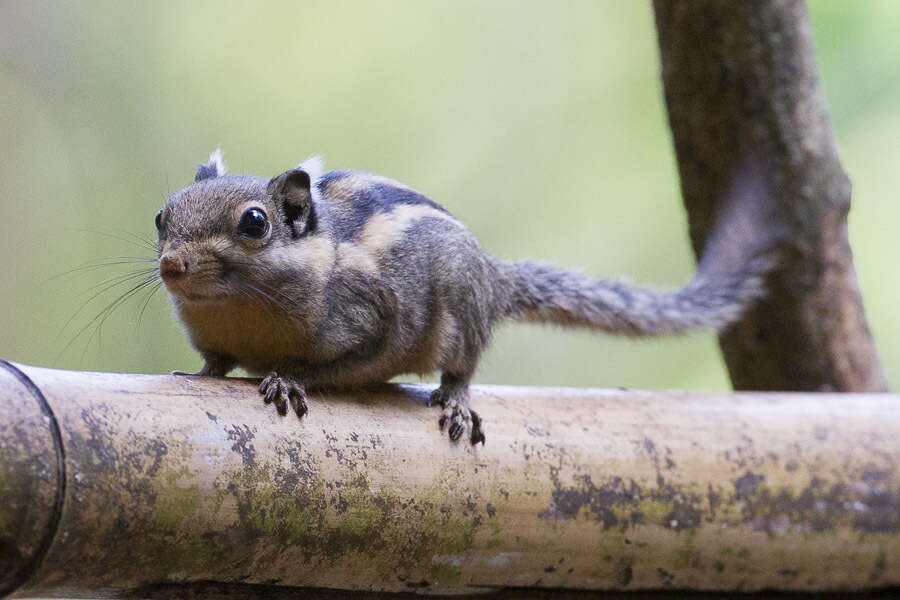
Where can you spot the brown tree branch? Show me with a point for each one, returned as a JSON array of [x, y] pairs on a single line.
[[741, 75]]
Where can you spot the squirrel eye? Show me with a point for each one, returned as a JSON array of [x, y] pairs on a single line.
[[159, 219], [253, 223]]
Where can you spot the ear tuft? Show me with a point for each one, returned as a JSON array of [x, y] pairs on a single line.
[[214, 168], [315, 168]]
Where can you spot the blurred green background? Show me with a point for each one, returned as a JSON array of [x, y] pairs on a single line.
[[540, 124]]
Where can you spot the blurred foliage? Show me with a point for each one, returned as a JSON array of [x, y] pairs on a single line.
[[540, 124]]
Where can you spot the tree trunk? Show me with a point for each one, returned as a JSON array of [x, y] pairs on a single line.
[[740, 77]]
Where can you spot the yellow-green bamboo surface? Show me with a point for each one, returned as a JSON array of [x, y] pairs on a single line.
[[114, 484]]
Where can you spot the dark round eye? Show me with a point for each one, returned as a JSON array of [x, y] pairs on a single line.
[[253, 223], [159, 220]]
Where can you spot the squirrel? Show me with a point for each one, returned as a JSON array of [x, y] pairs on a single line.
[[315, 278]]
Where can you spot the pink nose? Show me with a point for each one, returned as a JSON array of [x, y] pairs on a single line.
[[172, 266]]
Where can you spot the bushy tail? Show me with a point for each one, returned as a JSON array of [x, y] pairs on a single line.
[[544, 293], [740, 251]]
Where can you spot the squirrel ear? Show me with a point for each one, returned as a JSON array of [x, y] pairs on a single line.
[[291, 192], [214, 168]]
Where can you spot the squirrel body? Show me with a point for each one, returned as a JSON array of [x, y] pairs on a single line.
[[317, 278]]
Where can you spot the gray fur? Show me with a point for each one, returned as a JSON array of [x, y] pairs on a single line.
[[542, 293], [379, 281]]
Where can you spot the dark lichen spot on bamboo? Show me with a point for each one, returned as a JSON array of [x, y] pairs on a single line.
[[623, 572], [714, 499], [686, 513], [865, 506], [877, 510], [747, 484], [242, 436], [334, 520], [146, 494], [788, 573], [616, 503], [155, 450], [567, 502]]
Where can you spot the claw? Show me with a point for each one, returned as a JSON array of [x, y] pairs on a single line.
[[281, 392], [267, 382], [271, 393], [477, 433], [298, 403]]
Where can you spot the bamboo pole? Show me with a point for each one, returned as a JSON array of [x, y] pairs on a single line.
[[118, 484]]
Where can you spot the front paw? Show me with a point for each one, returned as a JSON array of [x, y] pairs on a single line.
[[283, 391]]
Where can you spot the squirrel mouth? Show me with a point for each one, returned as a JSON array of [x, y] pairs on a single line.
[[195, 297], [180, 292]]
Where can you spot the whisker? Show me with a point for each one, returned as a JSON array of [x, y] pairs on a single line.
[[292, 301], [274, 300], [265, 296], [111, 262], [98, 330], [150, 294], [139, 237], [105, 311], [142, 244], [116, 281]]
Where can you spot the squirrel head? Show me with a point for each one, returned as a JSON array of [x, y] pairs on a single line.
[[220, 235]]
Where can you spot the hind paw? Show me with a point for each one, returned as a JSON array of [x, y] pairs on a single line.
[[458, 418]]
